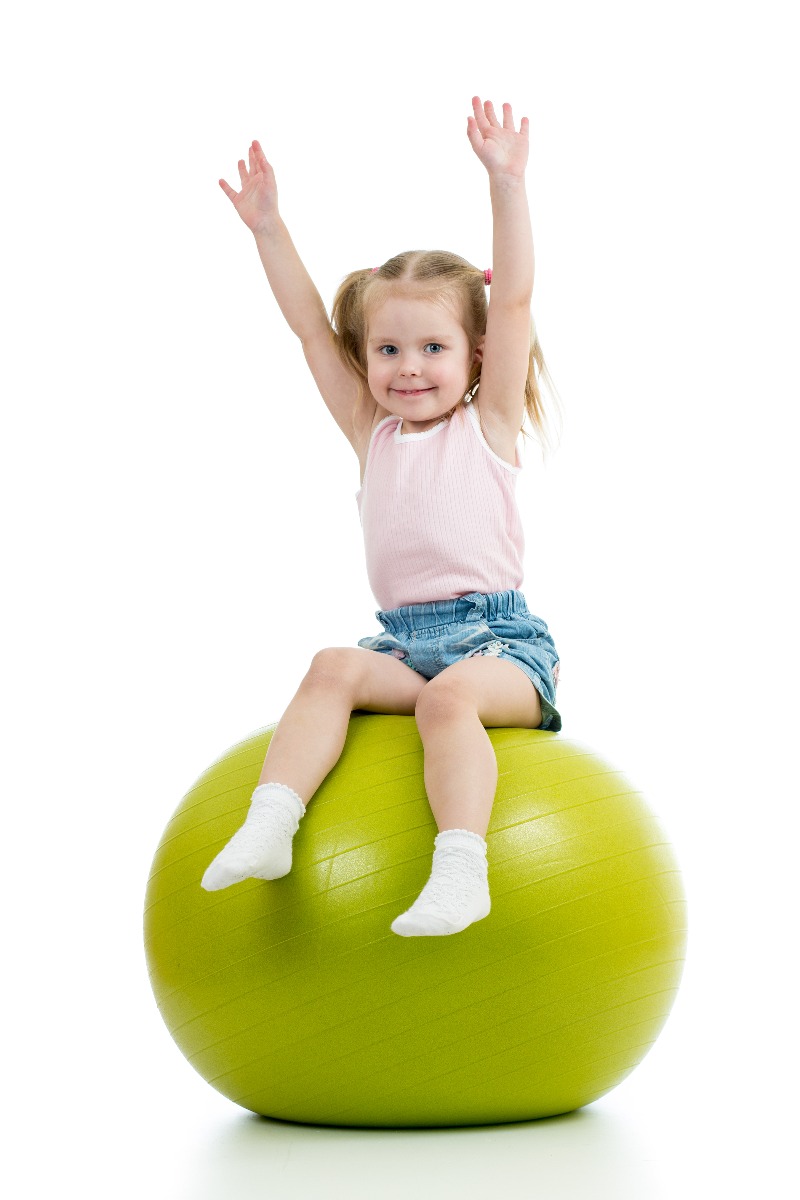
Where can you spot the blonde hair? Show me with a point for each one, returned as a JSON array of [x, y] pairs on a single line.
[[443, 277]]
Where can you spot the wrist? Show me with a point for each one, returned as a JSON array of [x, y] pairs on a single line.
[[506, 183], [268, 226]]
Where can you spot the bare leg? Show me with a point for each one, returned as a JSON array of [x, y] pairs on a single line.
[[452, 716], [460, 771], [310, 737], [304, 748], [461, 780]]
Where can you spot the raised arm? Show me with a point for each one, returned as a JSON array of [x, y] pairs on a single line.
[[292, 286], [506, 354]]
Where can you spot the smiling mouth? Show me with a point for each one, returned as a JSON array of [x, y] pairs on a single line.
[[414, 392]]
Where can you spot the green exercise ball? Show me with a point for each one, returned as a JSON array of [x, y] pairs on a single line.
[[294, 998]]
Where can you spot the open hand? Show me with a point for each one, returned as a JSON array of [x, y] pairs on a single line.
[[501, 149], [257, 202]]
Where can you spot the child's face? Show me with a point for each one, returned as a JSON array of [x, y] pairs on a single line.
[[418, 360]]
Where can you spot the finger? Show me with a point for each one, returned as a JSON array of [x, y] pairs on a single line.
[[260, 164], [508, 117], [228, 190], [242, 170], [523, 126], [480, 116], [474, 134], [491, 116]]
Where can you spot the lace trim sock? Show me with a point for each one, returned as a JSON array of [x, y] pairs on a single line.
[[262, 848], [457, 892]]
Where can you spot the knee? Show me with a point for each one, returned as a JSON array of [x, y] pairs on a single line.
[[336, 668], [440, 700]]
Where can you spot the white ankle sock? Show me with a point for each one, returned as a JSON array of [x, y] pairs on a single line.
[[262, 848], [457, 893]]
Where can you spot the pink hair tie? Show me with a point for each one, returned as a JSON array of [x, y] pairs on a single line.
[[374, 269], [487, 276]]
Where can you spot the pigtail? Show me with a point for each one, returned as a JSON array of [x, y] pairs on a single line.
[[546, 422], [348, 319]]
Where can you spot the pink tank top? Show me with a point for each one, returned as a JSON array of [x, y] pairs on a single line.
[[439, 513]]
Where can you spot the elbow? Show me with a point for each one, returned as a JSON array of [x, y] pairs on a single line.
[[512, 303]]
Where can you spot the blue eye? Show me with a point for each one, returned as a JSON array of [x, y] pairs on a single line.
[[392, 349], [438, 346]]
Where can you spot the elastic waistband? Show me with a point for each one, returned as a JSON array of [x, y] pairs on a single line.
[[475, 606]]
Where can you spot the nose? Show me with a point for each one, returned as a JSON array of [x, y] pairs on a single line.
[[408, 365]]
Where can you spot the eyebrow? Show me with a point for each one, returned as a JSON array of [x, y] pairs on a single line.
[[434, 337]]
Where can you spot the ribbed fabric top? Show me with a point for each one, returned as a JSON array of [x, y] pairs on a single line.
[[439, 513]]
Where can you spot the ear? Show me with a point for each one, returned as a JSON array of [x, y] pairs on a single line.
[[478, 355]]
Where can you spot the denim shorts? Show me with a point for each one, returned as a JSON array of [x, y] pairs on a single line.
[[430, 637]]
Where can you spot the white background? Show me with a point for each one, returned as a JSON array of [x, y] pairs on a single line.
[[181, 532]]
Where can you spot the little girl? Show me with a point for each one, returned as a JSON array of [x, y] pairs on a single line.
[[430, 385]]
